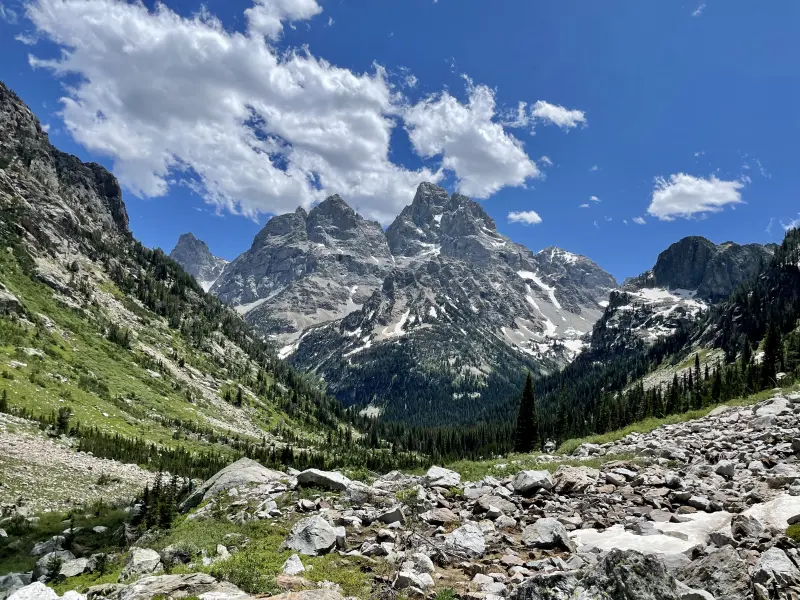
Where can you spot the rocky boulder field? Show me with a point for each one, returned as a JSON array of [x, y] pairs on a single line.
[[702, 511]]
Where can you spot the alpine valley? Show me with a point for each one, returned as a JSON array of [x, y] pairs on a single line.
[[179, 427], [435, 320]]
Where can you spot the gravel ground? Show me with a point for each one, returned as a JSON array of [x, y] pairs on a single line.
[[48, 474]]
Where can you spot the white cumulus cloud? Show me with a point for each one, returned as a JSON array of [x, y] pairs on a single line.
[[686, 196], [558, 115], [639, 220], [583, 206], [252, 128], [526, 217], [470, 142], [594, 199], [266, 17]]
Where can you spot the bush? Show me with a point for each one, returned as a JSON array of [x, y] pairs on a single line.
[[53, 568], [794, 532]]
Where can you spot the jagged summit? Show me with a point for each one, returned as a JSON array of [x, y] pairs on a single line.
[[196, 259]]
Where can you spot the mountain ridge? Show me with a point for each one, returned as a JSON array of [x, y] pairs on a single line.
[[339, 296]]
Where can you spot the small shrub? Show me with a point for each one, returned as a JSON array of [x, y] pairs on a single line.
[[101, 563], [53, 568]]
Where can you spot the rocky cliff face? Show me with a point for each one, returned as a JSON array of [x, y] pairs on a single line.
[[688, 277], [196, 259], [441, 306], [306, 268], [65, 195]]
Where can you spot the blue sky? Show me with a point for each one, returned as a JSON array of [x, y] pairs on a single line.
[[677, 114]]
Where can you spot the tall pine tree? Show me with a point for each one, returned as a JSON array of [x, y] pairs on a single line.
[[773, 355], [527, 433]]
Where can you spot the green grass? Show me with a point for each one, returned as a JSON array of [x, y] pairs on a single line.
[[793, 532], [106, 386], [81, 583], [256, 565]]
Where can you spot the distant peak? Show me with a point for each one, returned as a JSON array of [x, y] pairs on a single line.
[[187, 237], [189, 240]]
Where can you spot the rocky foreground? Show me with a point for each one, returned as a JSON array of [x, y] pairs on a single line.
[[701, 513]]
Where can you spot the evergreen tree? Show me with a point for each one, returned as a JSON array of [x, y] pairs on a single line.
[[773, 355], [62, 420], [4, 402], [527, 432]]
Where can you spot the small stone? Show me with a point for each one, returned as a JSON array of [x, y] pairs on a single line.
[[293, 565], [726, 468]]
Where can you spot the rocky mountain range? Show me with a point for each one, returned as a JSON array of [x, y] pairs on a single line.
[[197, 260], [689, 277], [440, 297]]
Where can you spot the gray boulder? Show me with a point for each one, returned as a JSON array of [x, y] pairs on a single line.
[[75, 567], [41, 565], [392, 515], [12, 582], [775, 570], [547, 533], [621, 575], [241, 473], [439, 516], [313, 536], [48, 546], [9, 303], [722, 573], [329, 480], [726, 468], [467, 539], [359, 493], [177, 586], [485, 503], [782, 474], [743, 526], [39, 591], [527, 482], [141, 561], [575, 480], [409, 579], [440, 477]]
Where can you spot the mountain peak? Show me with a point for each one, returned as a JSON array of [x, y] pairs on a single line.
[[697, 264], [189, 240], [332, 205], [196, 259]]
